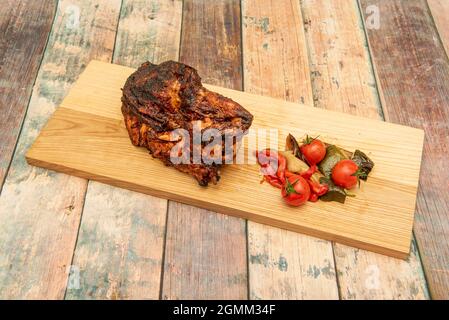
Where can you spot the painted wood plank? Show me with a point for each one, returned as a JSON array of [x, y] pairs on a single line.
[[148, 30], [440, 13], [343, 80], [204, 255], [275, 56], [210, 42], [24, 27], [282, 264], [40, 210], [413, 73], [119, 249], [123, 231]]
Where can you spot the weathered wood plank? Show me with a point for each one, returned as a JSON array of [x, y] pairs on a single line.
[[40, 210], [205, 255], [211, 41], [440, 13], [148, 30], [24, 27], [343, 80], [206, 252], [123, 231], [282, 264], [367, 275], [275, 56], [288, 265], [119, 248], [413, 73]]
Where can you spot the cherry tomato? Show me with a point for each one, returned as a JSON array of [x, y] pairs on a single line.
[[345, 174], [296, 190], [313, 150]]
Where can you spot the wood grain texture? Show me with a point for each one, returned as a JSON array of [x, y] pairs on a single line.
[[123, 231], [282, 264], [342, 77], [288, 265], [24, 29], [211, 43], [343, 80], [148, 30], [276, 62], [40, 210], [119, 248], [440, 13], [379, 218], [203, 258], [413, 73]]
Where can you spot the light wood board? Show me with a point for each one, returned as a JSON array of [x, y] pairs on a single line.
[[86, 137]]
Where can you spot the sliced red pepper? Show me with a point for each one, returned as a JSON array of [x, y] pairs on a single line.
[[267, 158], [307, 174], [318, 189], [282, 166], [288, 174], [275, 182], [313, 197]]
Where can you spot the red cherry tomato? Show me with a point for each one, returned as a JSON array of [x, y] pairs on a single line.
[[313, 150], [345, 174], [296, 190]]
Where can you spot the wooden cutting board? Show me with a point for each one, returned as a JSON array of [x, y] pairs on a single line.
[[86, 137]]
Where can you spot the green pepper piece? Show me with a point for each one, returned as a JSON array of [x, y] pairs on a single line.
[[335, 193], [333, 155], [364, 163]]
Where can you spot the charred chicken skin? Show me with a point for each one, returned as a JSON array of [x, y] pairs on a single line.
[[158, 99]]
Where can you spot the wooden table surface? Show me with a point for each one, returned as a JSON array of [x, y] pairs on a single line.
[[66, 237]]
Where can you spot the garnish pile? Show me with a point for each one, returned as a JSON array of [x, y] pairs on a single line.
[[313, 170]]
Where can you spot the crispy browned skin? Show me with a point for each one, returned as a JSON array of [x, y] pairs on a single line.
[[160, 98]]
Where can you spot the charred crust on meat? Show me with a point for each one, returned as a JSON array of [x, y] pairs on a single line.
[[158, 99]]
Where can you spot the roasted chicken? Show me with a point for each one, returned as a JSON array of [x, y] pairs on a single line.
[[158, 99]]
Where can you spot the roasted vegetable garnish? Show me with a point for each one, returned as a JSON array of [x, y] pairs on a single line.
[[364, 163], [335, 193], [311, 174], [333, 155], [273, 166], [346, 174], [329, 170], [294, 164], [313, 150], [292, 145]]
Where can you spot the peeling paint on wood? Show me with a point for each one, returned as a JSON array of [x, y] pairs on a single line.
[[204, 255], [275, 57], [119, 246], [288, 265], [148, 30], [24, 29], [40, 210], [211, 41], [123, 231], [276, 64], [343, 80], [440, 13], [366, 275]]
